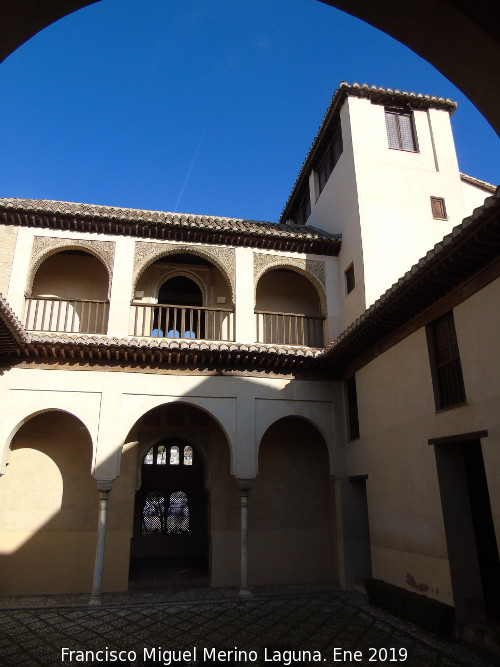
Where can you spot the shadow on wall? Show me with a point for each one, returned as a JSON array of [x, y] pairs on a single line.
[[49, 502], [49, 509]]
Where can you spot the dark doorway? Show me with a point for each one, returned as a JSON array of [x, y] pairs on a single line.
[[470, 532], [179, 313], [170, 539]]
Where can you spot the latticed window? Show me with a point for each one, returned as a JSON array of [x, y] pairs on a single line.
[[158, 518], [178, 514], [446, 368], [153, 514], [400, 130]]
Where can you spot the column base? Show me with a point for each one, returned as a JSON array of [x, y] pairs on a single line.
[[245, 593], [95, 601]]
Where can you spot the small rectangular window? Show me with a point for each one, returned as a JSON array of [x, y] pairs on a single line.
[[350, 280], [400, 130], [438, 208], [446, 369], [352, 409]]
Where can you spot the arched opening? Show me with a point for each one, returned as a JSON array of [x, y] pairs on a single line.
[[69, 294], [182, 295], [173, 322], [48, 508], [170, 540], [185, 499], [288, 310], [290, 520]]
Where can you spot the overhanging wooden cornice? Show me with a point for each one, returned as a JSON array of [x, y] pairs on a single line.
[[169, 353]]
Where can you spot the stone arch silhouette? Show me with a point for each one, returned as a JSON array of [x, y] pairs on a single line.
[[420, 27]]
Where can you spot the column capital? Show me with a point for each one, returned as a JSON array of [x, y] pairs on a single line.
[[244, 486], [104, 485]]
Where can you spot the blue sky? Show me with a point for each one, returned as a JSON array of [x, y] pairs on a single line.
[[197, 106]]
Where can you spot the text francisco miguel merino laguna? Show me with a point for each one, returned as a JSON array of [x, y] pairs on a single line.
[[193, 655]]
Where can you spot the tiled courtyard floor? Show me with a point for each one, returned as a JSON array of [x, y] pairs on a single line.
[[33, 631]]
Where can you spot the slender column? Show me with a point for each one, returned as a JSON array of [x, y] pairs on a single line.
[[104, 487], [245, 486]]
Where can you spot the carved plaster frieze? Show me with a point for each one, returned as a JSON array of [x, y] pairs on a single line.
[[147, 253], [45, 246], [313, 269]]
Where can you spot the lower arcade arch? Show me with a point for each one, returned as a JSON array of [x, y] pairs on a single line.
[[182, 498], [48, 509], [291, 534]]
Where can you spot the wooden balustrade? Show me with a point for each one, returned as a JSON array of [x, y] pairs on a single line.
[[43, 313], [167, 321], [289, 329]]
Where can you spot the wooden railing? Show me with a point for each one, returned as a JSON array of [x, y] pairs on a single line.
[[44, 313], [167, 321], [289, 329]]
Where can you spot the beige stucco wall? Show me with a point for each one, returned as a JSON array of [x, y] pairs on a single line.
[[8, 237], [71, 277], [397, 418], [290, 521], [109, 406], [48, 510], [287, 292]]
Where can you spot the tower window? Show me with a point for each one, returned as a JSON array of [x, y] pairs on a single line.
[[400, 130], [303, 210], [333, 152], [350, 280]]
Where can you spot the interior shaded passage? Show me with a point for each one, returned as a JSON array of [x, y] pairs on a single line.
[[170, 541]]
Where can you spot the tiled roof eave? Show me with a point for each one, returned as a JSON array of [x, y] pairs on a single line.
[[173, 353], [68, 216], [12, 332]]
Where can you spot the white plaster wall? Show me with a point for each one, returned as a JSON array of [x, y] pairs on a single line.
[[394, 192], [379, 199], [474, 196], [337, 211]]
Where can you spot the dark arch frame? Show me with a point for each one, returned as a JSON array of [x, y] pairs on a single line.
[[458, 37]]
